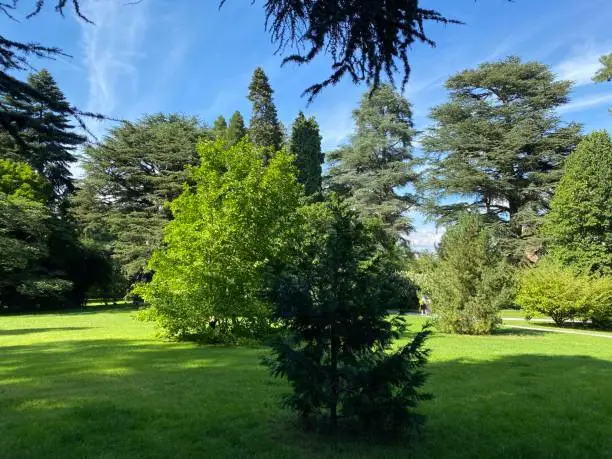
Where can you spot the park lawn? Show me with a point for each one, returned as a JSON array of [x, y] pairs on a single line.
[[102, 384]]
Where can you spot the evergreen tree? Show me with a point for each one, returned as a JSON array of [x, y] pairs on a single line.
[[471, 281], [265, 130], [378, 160], [305, 144], [499, 145], [50, 148], [219, 129], [579, 224], [331, 300], [130, 176], [605, 72], [236, 130]]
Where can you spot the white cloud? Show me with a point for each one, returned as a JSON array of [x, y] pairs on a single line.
[[425, 237], [111, 48], [582, 64], [585, 102]]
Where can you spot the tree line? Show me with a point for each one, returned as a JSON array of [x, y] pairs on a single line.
[[233, 233]]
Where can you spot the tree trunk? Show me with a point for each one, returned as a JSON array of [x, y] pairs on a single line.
[[333, 402]]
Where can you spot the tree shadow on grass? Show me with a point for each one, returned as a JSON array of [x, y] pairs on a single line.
[[152, 399], [517, 332], [27, 331]]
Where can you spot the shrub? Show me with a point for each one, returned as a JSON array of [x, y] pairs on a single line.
[[563, 294], [470, 281], [331, 299]]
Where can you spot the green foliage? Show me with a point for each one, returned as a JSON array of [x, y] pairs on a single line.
[[331, 297], [130, 176], [579, 225], [49, 148], [471, 281], [219, 129], [378, 160], [305, 145], [363, 39], [235, 217], [265, 129], [563, 294], [500, 145], [605, 72], [18, 179], [235, 130]]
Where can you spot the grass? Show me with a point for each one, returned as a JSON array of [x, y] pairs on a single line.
[[101, 384]]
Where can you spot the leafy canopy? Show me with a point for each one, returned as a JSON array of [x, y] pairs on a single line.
[[578, 227], [233, 219]]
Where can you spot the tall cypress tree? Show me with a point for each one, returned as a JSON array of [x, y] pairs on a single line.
[[378, 160], [500, 145], [236, 129], [265, 130], [219, 129], [49, 149], [305, 144]]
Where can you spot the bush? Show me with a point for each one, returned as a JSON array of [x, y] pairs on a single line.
[[562, 294], [470, 282], [331, 299]]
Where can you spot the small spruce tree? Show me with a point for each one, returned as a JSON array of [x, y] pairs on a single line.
[[305, 144]]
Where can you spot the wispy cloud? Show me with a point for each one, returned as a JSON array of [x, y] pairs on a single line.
[[111, 51], [336, 126], [582, 64], [585, 102]]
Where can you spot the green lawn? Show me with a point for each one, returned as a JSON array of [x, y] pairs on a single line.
[[101, 384]]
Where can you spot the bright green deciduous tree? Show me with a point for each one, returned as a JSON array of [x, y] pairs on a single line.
[[378, 160], [561, 293], [19, 179], [305, 144], [471, 280], [265, 129], [130, 176], [235, 130], [226, 227], [500, 145], [579, 224], [331, 297]]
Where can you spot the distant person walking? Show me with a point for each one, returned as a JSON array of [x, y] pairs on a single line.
[[425, 305]]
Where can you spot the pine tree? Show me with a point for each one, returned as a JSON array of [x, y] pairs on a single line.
[[378, 160], [49, 149], [139, 167], [265, 130], [499, 145], [236, 130], [305, 144], [579, 225], [219, 129]]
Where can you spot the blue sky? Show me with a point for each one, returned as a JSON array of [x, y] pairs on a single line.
[[189, 57]]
